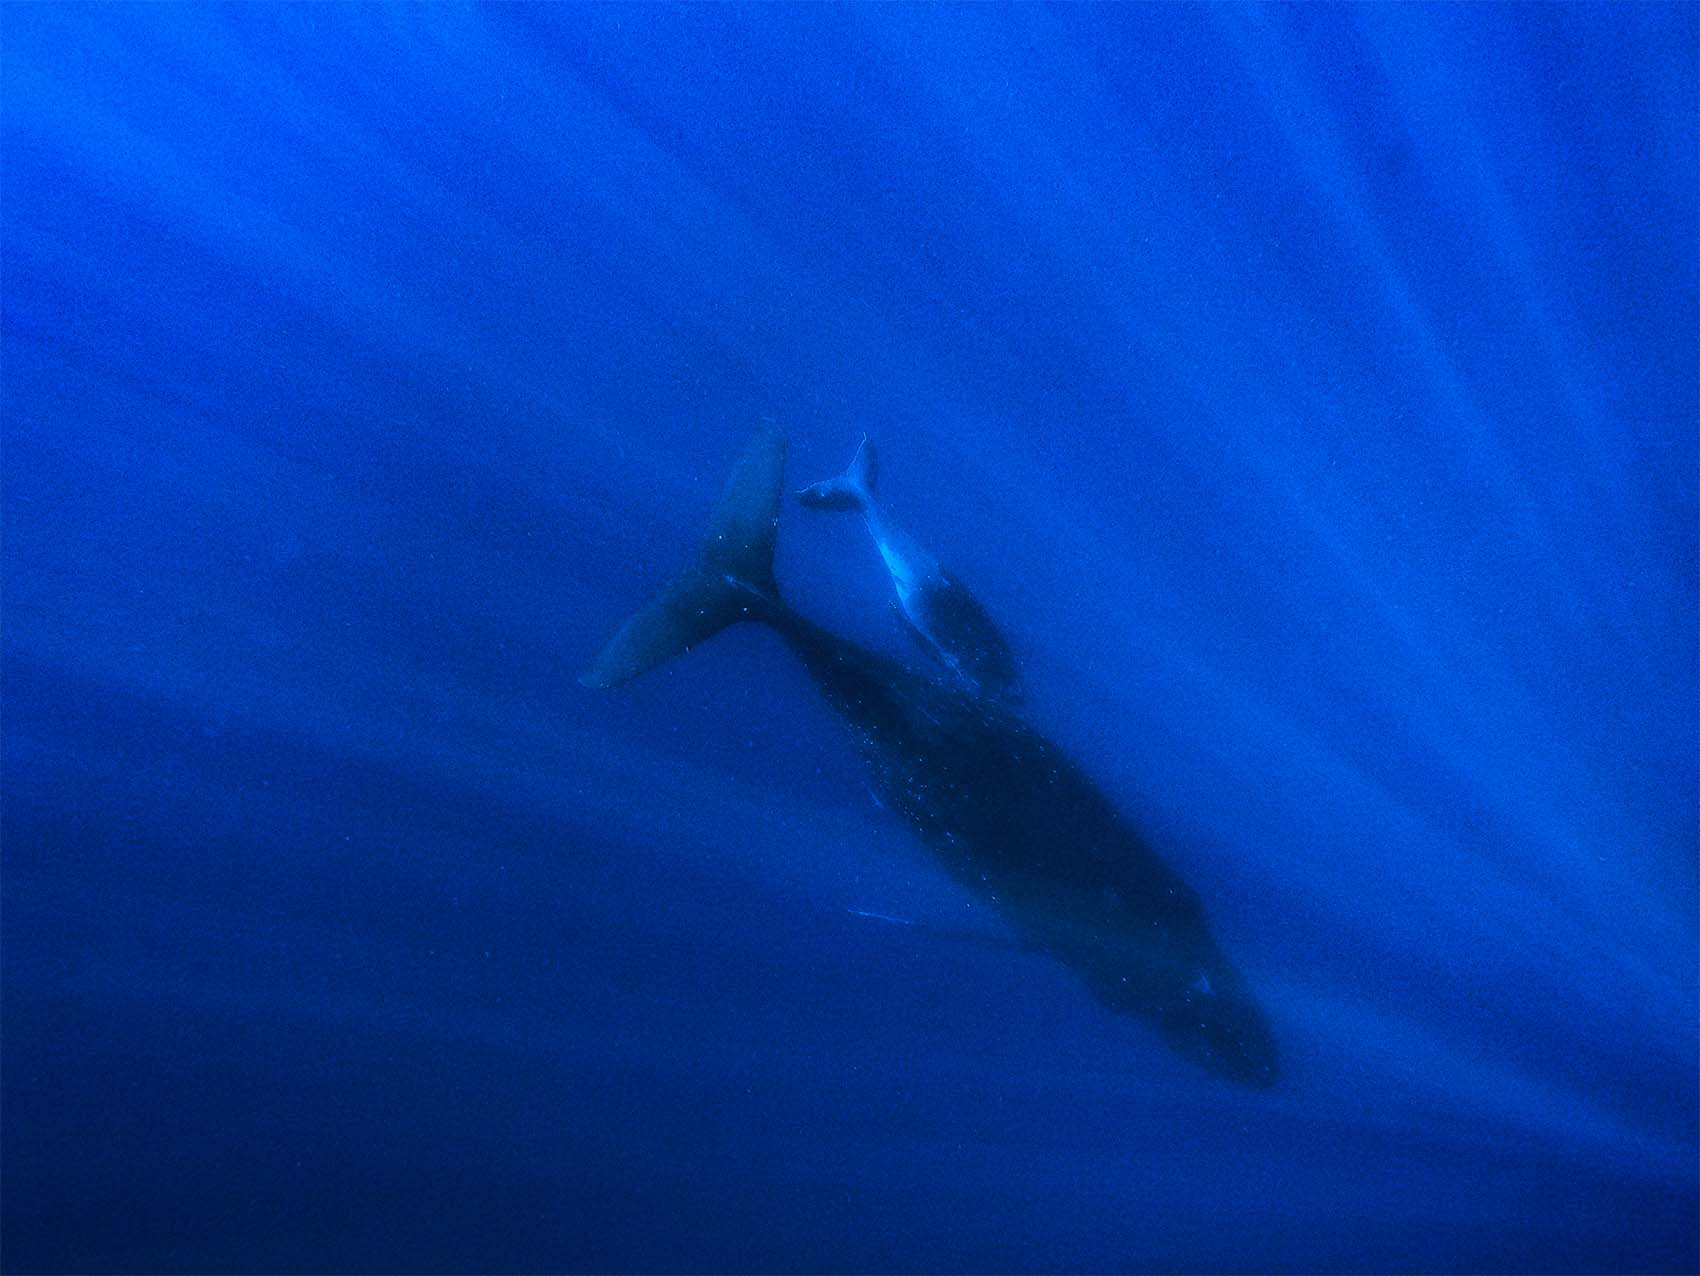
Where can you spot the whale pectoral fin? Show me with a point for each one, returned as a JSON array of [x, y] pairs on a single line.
[[978, 937], [732, 579]]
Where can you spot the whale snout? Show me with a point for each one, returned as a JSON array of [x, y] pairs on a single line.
[[1219, 1026]]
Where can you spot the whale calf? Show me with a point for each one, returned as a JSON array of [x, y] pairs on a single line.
[[1010, 816], [940, 613]]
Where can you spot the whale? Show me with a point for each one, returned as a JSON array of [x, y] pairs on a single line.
[[1008, 814], [937, 609]]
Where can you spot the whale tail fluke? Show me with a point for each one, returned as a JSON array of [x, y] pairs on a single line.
[[851, 490], [731, 580]]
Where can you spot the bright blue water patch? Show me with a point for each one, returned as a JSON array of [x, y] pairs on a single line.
[[1310, 393]]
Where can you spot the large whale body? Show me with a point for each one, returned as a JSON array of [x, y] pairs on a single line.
[[1009, 815]]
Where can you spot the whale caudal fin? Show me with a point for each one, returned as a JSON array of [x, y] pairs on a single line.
[[729, 582], [851, 490]]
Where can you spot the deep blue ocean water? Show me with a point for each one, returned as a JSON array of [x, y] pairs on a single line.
[[1311, 394]]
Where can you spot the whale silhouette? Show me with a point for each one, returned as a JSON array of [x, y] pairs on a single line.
[[1010, 816], [940, 613]]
